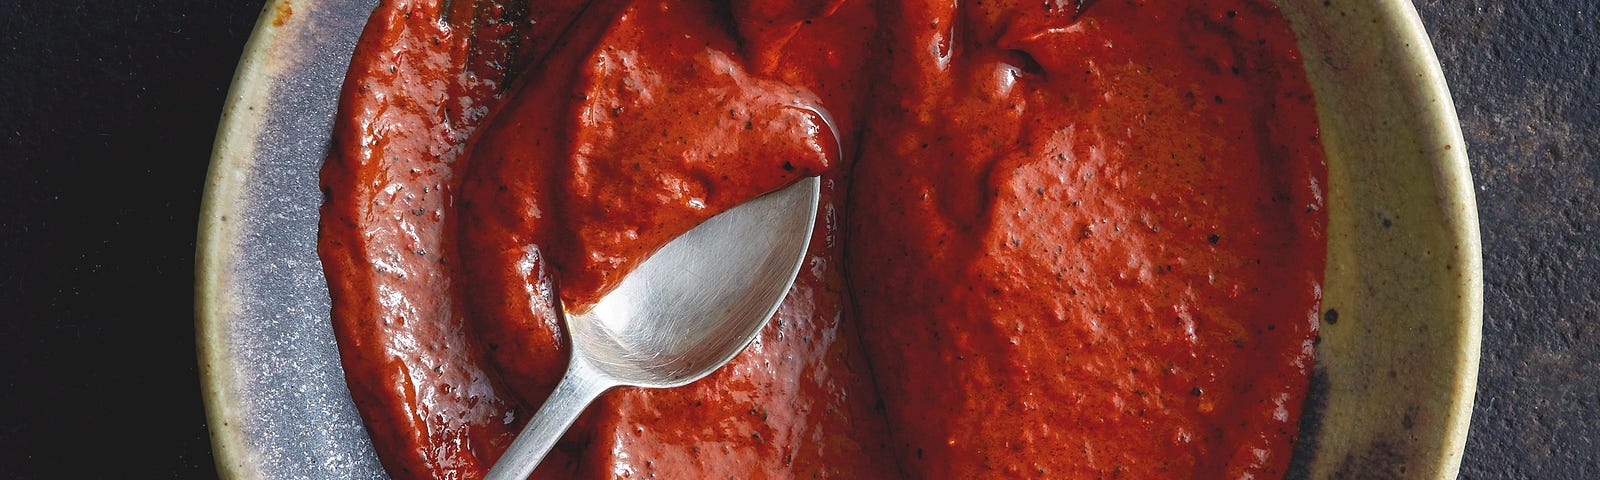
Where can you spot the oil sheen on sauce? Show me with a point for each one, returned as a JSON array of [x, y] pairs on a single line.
[[1059, 239]]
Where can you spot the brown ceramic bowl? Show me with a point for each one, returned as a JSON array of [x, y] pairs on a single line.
[[1397, 361]]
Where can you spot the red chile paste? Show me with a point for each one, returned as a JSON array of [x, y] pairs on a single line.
[[1083, 238]]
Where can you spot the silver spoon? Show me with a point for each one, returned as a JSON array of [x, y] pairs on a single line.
[[682, 314]]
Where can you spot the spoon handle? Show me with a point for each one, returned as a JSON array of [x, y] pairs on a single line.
[[577, 389]]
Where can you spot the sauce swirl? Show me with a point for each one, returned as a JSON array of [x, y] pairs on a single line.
[[1060, 239]]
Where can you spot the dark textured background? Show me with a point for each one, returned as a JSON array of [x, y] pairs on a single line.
[[1525, 76], [107, 111]]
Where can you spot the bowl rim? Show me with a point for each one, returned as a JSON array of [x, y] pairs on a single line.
[[1454, 176], [232, 150], [1404, 44]]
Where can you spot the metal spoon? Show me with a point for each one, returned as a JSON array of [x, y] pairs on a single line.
[[682, 314]]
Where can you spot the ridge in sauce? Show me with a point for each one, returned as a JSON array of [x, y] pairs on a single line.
[[1084, 239]]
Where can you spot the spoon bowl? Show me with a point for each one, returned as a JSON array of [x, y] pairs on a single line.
[[682, 314]]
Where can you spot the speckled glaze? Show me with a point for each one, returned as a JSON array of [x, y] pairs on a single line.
[[1397, 359], [276, 400]]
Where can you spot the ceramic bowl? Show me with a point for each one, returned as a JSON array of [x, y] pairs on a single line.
[[1396, 364]]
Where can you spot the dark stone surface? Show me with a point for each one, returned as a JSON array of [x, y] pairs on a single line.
[[1525, 77], [107, 111]]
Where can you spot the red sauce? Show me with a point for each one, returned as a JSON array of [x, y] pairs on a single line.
[[1083, 240]]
